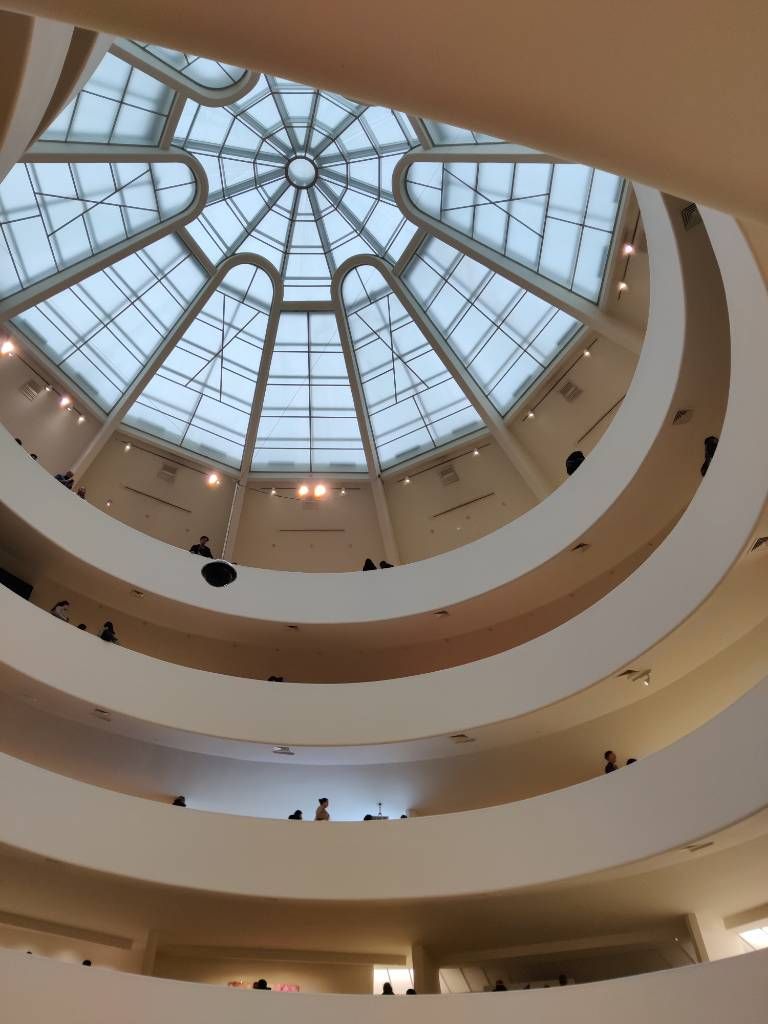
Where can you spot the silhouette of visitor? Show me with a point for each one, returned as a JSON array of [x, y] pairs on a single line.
[[710, 447]]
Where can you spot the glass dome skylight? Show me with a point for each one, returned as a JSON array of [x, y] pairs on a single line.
[[279, 279]]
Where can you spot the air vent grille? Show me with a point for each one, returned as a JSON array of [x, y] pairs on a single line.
[[31, 389], [570, 391], [690, 216], [759, 543], [682, 416], [101, 714], [581, 546], [168, 472], [695, 847], [284, 751], [448, 476], [462, 737]]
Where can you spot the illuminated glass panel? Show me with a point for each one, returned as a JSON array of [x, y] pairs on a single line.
[[213, 74], [201, 396], [103, 331], [309, 421], [301, 177], [118, 104], [557, 219], [505, 336], [54, 215], [414, 404]]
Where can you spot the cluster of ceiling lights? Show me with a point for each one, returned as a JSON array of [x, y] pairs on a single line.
[[8, 350]]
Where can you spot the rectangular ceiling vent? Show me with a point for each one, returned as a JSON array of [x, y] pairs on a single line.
[[690, 216], [284, 751], [102, 715], [682, 416], [581, 546], [759, 543], [448, 476], [695, 847], [570, 391], [31, 389], [462, 737], [168, 472]]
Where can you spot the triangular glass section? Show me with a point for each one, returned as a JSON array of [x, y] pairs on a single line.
[[201, 397], [414, 404], [450, 135], [54, 215], [102, 332], [308, 423], [556, 219], [505, 336]]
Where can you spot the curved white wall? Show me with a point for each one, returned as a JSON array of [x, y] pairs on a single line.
[[461, 575], [35, 990], [707, 781]]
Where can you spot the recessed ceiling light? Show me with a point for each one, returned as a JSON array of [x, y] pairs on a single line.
[[303, 491], [531, 414], [127, 448], [273, 491], [7, 347], [476, 451], [65, 401], [343, 490], [623, 286], [586, 353], [81, 419], [628, 249], [407, 480], [213, 480], [320, 490]]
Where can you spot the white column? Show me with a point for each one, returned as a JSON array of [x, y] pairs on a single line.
[[391, 552], [426, 972]]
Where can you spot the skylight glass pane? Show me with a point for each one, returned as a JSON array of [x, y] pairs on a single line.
[[505, 336], [300, 177], [52, 215], [308, 423], [201, 396], [118, 104], [103, 331], [213, 74], [449, 135], [557, 219], [414, 404], [757, 938]]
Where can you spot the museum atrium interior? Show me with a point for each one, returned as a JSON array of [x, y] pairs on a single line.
[[474, 299]]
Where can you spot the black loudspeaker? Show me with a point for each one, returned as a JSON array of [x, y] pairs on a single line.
[[20, 587], [219, 573]]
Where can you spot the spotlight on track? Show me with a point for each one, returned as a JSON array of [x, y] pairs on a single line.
[[219, 573]]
